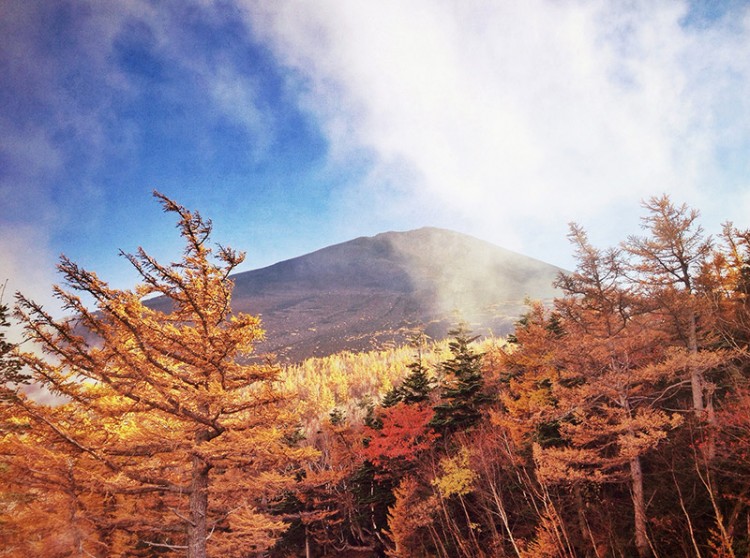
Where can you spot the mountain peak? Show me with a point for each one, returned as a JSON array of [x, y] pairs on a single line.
[[361, 293]]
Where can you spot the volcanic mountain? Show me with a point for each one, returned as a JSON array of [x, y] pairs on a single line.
[[371, 291]]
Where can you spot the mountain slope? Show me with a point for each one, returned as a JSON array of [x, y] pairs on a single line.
[[371, 290]]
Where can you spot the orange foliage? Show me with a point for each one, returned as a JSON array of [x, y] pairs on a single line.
[[167, 402], [404, 434]]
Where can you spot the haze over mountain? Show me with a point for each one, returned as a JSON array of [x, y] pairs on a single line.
[[361, 294]]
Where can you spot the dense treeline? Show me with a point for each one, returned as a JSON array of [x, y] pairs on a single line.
[[615, 422]]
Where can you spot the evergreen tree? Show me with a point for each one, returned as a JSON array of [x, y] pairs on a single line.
[[393, 397], [462, 395], [337, 417], [417, 385]]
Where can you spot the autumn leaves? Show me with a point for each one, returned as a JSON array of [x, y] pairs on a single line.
[[613, 422], [169, 435]]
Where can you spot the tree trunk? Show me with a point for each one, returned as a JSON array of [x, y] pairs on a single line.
[[73, 511], [197, 528], [696, 377], [583, 523], [639, 507], [504, 517], [703, 405]]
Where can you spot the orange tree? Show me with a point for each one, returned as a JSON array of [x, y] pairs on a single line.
[[179, 415], [589, 378]]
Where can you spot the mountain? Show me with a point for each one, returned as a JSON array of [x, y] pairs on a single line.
[[370, 291]]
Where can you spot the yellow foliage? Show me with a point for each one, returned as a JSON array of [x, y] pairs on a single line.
[[348, 381], [547, 541], [565, 465], [457, 479], [250, 531]]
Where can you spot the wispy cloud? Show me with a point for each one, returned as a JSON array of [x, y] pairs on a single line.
[[285, 120], [95, 92], [26, 270], [519, 116]]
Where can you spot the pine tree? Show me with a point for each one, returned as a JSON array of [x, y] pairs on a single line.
[[392, 397], [418, 385], [462, 396]]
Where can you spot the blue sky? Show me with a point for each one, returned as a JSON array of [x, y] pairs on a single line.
[[295, 125]]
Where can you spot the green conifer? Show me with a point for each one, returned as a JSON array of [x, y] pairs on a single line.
[[462, 395], [417, 385]]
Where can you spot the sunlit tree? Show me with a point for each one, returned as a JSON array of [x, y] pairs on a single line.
[[177, 410], [667, 263]]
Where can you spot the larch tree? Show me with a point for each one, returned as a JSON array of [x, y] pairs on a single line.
[[177, 408], [608, 384], [726, 280], [667, 263], [583, 377], [725, 283], [52, 503]]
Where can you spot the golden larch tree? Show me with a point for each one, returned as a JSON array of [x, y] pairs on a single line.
[[181, 414]]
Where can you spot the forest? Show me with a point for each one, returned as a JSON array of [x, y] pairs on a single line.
[[614, 422]]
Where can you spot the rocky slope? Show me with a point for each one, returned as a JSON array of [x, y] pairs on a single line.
[[371, 291]]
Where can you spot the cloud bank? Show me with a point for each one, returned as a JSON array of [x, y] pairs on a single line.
[[515, 117]]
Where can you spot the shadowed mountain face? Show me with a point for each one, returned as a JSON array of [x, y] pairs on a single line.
[[362, 294]]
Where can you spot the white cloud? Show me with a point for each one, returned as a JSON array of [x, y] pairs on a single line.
[[519, 116], [25, 267], [64, 115]]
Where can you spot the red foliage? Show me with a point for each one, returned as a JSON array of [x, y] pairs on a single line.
[[404, 434]]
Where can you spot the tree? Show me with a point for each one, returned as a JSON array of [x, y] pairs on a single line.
[[323, 504], [51, 503], [668, 262], [727, 278], [462, 396], [417, 385], [411, 520], [596, 377], [614, 356], [11, 375], [176, 407], [395, 447]]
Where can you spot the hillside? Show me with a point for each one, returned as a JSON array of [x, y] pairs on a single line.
[[367, 292]]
